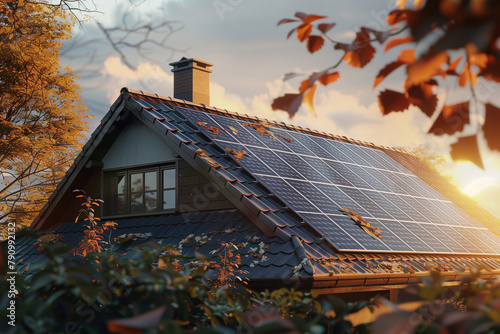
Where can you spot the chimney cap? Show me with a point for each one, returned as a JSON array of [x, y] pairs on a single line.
[[187, 63]]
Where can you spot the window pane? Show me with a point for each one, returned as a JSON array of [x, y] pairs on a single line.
[[117, 204], [119, 181], [168, 199], [136, 203], [136, 183], [151, 200], [150, 178], [116, 193], [168, 178]]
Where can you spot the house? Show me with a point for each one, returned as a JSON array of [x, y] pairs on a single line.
[[309, 209]]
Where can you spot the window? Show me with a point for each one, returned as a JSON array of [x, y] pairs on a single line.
[[140, 190]]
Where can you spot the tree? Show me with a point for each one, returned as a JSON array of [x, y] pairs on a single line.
[[457, 41], [42, 120]]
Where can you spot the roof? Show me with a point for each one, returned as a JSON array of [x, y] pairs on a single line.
[[268, 258], [267, 212]]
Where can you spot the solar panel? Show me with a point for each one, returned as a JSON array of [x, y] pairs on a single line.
[[320, 177]]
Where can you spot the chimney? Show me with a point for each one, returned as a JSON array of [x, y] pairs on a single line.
[[192, 80]]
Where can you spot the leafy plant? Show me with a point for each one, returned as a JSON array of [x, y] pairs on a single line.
[[457, 41], [93, 239]]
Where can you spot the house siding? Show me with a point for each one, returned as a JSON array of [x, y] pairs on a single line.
[[136, 145]]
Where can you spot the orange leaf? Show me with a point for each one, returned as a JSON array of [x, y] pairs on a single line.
[[405, 57], [328, 78], [397, 16], [361, 51], [287, 21], [425, 68], [490, 127], [451, 119], [314, 43], [325, 27], [309, 97], [289, 103], [466, 148], [306, 84], [453, 66], [390, 101], [418, 3], [309, 18], [466, 76], [397, 41], [479, 59], [303, 31]]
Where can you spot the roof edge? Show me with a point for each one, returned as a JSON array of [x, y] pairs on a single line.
[[250, 118]]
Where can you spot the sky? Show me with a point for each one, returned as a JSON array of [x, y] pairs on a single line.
[[251, 54]]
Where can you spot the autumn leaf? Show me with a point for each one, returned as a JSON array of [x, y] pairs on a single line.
[[309, 97], [303, 31], [398, 16], [314, 43], [467, 76], [309, 18], [289, 103], [451, 119], [391, 101], [405, 57], [287, 21], [360, 52], [423, 97], [309, 82], [327, 78], [492, 69], [452, 68], [490, 127], [425, 68], [397, 41], [466, 148], [325, 27]]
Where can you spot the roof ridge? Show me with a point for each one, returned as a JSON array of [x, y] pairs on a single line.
[[246, 117]]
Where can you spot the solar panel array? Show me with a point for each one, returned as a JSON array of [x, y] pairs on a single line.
[[317, 177]]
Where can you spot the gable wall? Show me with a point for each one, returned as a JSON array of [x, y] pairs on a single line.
[[136, 145]]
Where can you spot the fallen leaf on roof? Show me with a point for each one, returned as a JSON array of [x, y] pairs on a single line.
[[390, 267], [236, 155], [343, 268], [205, 157], [232, 129], [214, 129], [361, 222], [285, 138], [261, 128], [49, 238]]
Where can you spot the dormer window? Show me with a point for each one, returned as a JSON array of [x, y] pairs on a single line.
[[140, 190]]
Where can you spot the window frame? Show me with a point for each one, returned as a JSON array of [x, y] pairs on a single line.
[[107, 188]]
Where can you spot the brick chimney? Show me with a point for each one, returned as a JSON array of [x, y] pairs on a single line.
[[192, 80]]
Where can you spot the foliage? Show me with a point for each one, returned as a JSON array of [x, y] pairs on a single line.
[[42, 120], [113, 291], [93, 239], [457, 41]]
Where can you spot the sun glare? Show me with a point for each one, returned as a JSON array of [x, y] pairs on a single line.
[[471, 179]]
